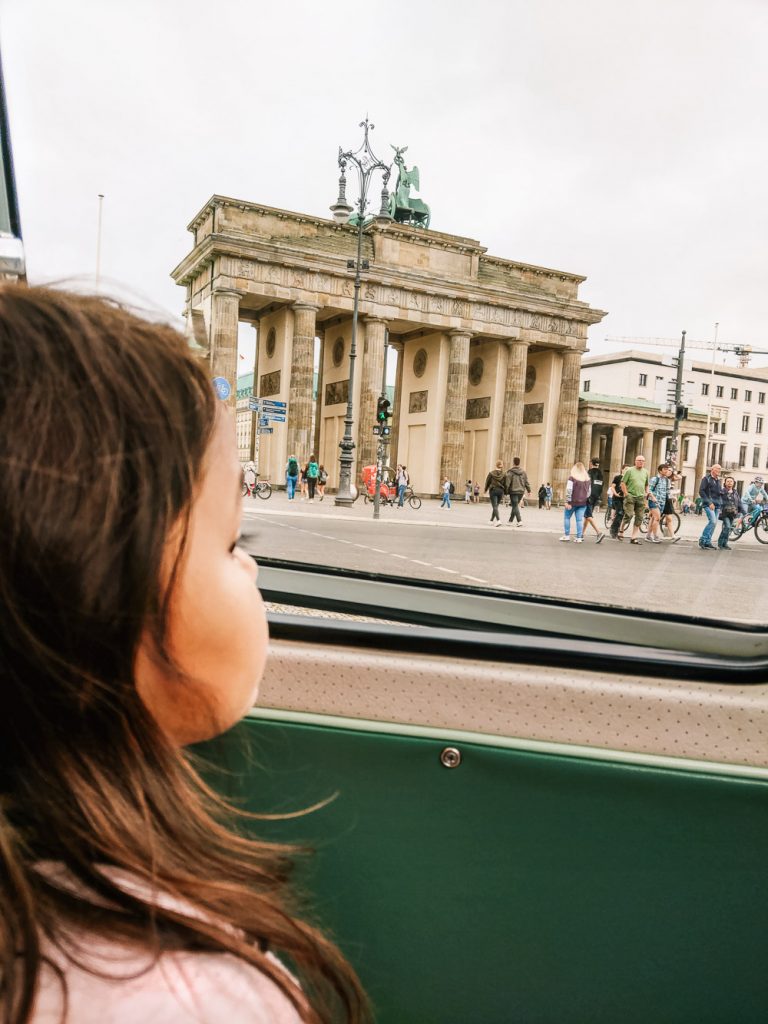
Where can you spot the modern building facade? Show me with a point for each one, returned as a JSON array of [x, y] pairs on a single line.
[[488, 350], [727, 408]]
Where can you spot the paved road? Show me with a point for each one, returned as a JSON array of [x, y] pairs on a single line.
[[460, 546]]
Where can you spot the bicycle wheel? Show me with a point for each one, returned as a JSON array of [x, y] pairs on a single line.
[[367, 497], [675, 521], [737, 530], [245, 489], [761, 529], [645, 521], [414, 501], [609, 514], [264, 490]]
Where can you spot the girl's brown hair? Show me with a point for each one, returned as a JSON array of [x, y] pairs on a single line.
[[105, 420]]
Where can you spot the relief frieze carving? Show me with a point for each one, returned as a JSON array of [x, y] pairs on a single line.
[[406, 298], [269, 384], [478, 408], [533, 412], [337, 392], [417, 401]]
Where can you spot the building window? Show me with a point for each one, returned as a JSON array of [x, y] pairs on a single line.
[[761, 398], [734, 394], [755, 458], [758, 424], [745, 422], [742, 456], [719, 391], [686, 444], [747, 396], [586, 385], [705, 389], [643, 380]]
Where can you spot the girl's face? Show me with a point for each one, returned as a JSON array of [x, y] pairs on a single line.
[[217, 627]]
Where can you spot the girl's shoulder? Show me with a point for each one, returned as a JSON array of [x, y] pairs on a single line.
[[178, 988]]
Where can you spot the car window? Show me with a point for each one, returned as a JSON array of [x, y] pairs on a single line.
[[464, 288]]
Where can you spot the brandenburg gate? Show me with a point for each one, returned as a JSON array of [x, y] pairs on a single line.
[[488, 350]]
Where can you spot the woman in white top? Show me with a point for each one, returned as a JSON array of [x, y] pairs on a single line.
[[131, 626]]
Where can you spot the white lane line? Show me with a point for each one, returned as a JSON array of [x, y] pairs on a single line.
[[363, 546], [380, 551], [404, 557], [475, 579], [418, 561], [453, 572]]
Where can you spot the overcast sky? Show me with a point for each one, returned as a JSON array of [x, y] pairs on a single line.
[[623, 141]]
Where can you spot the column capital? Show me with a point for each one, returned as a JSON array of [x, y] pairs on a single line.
[[375, 320], [456, 332], [396, 344], [234, 292], [512, 342], [305, 305]]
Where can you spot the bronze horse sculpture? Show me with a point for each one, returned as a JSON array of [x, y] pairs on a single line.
[[402, 207]]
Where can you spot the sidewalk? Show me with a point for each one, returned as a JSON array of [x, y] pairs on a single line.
[[460, 516]]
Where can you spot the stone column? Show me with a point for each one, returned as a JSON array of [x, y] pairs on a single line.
[[319, 399], [370, 389], [656, 451], [701, 464], [451, 458], [300, 394], [567, 417], [394, 441], [603, 448], [617, 453], [514, 394], [585, 444], [225, 312], [647, 450]]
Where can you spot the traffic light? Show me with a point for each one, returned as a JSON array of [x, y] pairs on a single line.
[[382, 410], [681, 412]]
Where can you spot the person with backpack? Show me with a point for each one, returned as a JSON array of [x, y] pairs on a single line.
[[658, 496], [732, 507], [291, 476], [517, 486], [322, 480], [313, 472], [447, 491]]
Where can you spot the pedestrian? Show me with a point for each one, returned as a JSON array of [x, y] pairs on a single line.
[[322, 480], [616, 504], [542, 496], [517, 485], [634, 487], [596, 476], [576, 496], [402, 480], [130, 630], [658, 504], [313, 471], [732, 507], [291, 476], [667, 522], [698, 505], [446, 501], [303, 482], [494, 485], [548, 498], [467, 492], [476, 492], [711, 494], [589, 520]]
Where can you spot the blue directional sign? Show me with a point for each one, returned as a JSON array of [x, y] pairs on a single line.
[[223, 388], [253, 404], [274, 417], [269, 403]]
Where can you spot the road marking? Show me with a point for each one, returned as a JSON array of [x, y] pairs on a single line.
[[380, 551], [419, 562], [454, 572], [475, 579], [404, 557]]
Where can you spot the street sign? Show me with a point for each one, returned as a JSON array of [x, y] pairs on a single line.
[[253, 404], [272, 416], [269, 403], [265, 430], [377, 431], [222, 386]]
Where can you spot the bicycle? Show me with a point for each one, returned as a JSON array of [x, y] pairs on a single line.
[[388, 496], [675, 516], [257, 489], [756, 520]]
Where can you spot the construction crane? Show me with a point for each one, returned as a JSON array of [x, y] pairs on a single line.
[[743, 352]]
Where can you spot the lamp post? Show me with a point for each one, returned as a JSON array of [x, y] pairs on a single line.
[[680, 413], [366, 163]]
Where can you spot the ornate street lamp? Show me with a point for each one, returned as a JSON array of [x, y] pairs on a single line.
[[366, 162]]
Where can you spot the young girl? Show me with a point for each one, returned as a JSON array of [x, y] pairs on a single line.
[[131, 626], [322, 480], [576, 496]]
